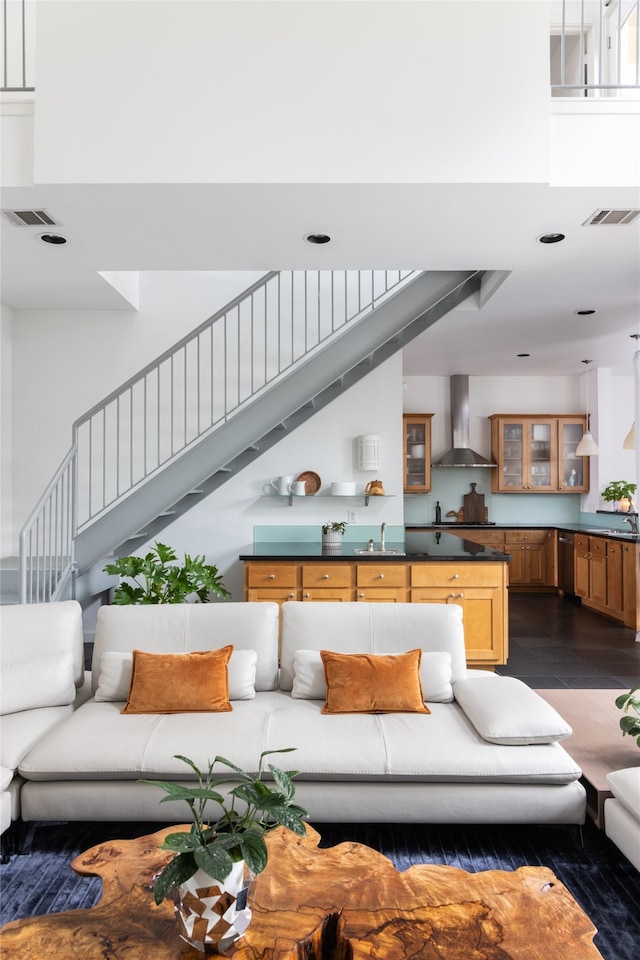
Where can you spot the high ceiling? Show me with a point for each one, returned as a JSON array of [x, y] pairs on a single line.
[[262, 227]]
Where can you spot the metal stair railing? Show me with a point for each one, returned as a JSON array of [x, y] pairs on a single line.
[[47, 538], [200, 383]]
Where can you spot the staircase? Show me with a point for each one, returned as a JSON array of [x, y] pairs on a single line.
[[216, 401]]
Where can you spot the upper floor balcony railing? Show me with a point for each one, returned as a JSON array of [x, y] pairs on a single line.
[[18, 45], [594, 48], [593, 51]]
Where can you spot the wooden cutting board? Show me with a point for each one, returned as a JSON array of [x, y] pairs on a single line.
[[473, 506]]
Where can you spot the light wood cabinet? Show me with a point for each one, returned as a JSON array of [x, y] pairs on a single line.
[[381, 582], [537, 454], [591, 571], [531, 560], [416, 452], [479, 588]]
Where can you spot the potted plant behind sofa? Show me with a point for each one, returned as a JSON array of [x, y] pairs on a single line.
[[157, 580], [630, 724], [217, 859], [619, 491]]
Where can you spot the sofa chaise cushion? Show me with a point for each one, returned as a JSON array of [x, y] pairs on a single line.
[[505, 710]]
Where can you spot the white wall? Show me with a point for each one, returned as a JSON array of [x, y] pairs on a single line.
[[7, 544], [363, 92]]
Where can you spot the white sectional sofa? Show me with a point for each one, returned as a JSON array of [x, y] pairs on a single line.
[[488, 751], [41, 671]]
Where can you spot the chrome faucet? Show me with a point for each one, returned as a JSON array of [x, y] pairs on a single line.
[[382, 530], [633, 521]]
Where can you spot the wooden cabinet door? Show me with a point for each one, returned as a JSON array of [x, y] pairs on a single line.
[[416, 450], [615, 578], [573, 471], [275, 595], [581, 566], [598, 571], [528, 549], [483, 617]]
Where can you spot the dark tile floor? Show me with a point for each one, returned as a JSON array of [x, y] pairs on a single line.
[[558, 643]]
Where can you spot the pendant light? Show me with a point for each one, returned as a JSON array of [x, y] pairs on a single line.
[[587, 446]]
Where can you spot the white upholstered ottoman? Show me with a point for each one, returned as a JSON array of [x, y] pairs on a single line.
[[622, 812]]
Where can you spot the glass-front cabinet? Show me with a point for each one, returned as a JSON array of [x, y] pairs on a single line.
[[417, 452], [537, 454]]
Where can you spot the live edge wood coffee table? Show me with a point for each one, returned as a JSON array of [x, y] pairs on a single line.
[[343, 903]]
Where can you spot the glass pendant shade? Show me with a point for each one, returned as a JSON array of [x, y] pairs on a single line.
[[630, 439]]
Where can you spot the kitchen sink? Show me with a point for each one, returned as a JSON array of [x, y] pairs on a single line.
[[617, 533], [363, 552]]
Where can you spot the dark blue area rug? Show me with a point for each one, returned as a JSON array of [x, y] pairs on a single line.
[[602, 881]]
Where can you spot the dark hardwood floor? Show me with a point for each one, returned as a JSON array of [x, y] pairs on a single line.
[[558, 643]]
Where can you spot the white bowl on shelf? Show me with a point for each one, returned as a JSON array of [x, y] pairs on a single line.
[[343, 488]]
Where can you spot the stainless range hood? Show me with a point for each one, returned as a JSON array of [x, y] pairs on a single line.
[[461, 454]]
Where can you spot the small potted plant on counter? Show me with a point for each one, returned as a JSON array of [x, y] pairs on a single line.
[[332, 533], [621, 492]]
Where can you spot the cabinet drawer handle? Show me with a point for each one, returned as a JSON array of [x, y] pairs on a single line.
[[456, 596], [381, 576], [325, 576], [456, 576], [361, 595], [307, 595], [272, 576], [291, 596]]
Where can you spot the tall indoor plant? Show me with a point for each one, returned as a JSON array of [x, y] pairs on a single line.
[[156, 579], [216, 858]]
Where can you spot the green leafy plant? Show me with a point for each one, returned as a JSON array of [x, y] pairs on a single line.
[[236, 834], [335, 526], [156, 579], [630, 724], [617, 490]]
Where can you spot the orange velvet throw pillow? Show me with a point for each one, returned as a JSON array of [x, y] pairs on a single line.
[[180, 682], [370, 683]]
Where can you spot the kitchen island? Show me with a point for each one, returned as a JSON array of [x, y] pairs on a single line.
[[427, 567]]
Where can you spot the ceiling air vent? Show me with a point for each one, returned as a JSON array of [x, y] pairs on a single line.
[[611, 218], [30, 218]]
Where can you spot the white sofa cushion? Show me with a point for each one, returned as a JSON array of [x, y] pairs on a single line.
[[21, 731], [436, 747], [387, 628], [309, 681], [37, 681], [505, 710], [625, 786], [30, 630], [116, 668], [186, 627]]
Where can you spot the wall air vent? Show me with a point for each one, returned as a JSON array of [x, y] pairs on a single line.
[[30, 218], [611, 218]]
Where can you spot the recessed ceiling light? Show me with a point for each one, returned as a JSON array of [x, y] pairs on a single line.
[[584, 313], [551, 237], [54, 238], [317, 238], [523, 354]]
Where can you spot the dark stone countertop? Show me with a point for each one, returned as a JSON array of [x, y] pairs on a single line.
[[419, 545]]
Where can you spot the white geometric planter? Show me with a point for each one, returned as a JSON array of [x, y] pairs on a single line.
[[211, 914]]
